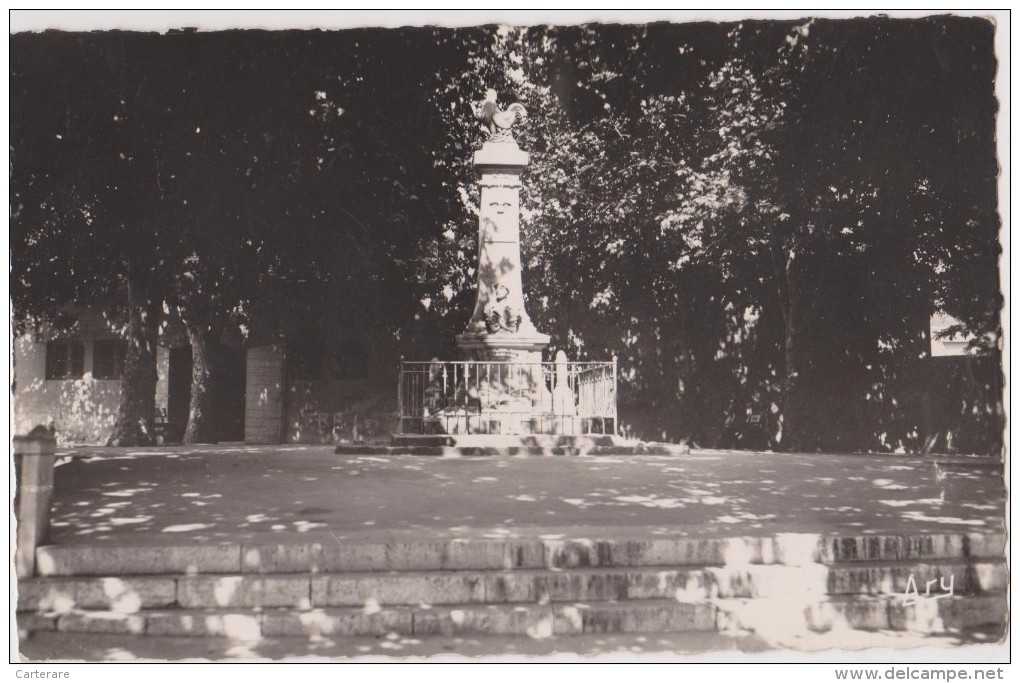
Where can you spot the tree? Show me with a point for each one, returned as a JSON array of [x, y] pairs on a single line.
[[726, 207], [71, 154], [735, 233]]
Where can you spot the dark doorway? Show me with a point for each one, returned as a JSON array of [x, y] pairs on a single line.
[[228, 391], [226, 385], [178, 393]]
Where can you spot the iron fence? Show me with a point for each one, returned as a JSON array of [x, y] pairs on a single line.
[[507, 397]]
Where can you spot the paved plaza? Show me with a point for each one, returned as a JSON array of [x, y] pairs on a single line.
[[291, 494], [159, 506]]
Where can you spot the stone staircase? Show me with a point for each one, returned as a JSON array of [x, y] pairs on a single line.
[[777, 587]]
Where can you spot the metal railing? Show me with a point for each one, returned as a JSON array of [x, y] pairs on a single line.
[[507, 397]]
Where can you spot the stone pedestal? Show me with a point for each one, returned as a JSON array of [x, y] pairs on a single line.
[[33, 462], [500, 328]]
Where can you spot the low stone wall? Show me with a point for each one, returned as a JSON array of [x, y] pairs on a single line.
[[337, 411]]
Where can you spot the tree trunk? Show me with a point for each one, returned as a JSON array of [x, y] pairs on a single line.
[[687, 389], [201, 414], [791, 428], [137, 411], [786, 434]]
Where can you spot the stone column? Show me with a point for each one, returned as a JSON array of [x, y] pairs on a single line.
[[500, 328], [33, 459]]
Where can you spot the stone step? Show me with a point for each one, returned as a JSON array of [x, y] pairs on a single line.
[[511, 441], [536, 621], [526, 444], [768, 617], [518, 553], [787, 617], [44, 646], [130, 594], [479, 451]]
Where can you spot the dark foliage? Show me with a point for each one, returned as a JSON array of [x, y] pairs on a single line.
[[758, 219]]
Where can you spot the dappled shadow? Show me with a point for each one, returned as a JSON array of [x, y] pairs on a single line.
[[302, 496], [235, 493], [183, 492], [84, 647], [121, 648]]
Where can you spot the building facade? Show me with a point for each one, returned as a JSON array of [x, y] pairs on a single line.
[[71, 383]]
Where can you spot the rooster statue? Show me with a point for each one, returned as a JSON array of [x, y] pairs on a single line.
[[500, 123]]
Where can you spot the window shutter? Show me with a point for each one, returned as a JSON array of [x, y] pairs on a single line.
[[77, 359], [56, 359], [108, 358]]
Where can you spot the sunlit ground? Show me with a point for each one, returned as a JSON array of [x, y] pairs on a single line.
[[235, 494], [238, 493]]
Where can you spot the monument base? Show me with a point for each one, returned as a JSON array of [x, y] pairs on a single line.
[[459, 445], [513, 398], [519, 347]]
